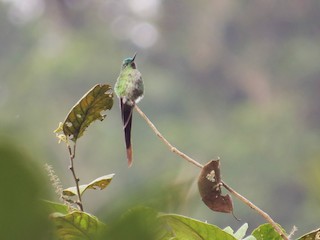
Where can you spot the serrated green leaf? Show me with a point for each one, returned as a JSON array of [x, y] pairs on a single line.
[[183, 228], [99, 183], [76, 225], [266, 232], [313, 235], [88, 109], [55, 207]]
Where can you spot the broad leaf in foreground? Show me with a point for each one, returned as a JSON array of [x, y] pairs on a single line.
[[76, 225], [89, 108], [184, 228], [266, 232], [99, 183], [55, 207]]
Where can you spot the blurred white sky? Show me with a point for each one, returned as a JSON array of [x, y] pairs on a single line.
[[139, 28]]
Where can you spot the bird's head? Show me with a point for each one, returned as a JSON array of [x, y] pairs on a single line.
[[129, 62]]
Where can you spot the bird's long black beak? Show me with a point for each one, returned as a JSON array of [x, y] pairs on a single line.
[[134, 56]]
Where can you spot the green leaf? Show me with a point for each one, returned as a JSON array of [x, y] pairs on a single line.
[[99, 183], [313, 235], [240, 233], [266, 232], [76, 225], [228, 230], [180, 227], [250, 238], [88, 109], [55, 207]]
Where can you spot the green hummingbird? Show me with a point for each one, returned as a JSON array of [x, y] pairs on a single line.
[[129, 89]]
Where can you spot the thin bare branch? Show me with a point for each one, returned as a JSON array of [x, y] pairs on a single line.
[[199, 165], [257, 209], [166, 142]]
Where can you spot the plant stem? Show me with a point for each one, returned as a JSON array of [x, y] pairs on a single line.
[[199, 165], [76, 179]]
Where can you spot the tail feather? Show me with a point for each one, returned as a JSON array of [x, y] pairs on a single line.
[[126, 113]]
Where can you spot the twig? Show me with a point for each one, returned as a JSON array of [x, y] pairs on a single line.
[[199, 165], [166, 142], [76, 179], [257, 209]]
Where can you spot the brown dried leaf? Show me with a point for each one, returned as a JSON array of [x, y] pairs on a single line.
[[209, 184]]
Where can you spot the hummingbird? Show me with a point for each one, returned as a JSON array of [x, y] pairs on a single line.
[[129, 89]]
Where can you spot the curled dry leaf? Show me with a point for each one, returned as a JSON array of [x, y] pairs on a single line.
[[313, 235], [99, 183], [209, 184]]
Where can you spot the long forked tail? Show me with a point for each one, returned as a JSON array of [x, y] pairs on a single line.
[[126, 113]]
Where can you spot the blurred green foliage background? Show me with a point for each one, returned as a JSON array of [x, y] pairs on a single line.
[[234, 79]]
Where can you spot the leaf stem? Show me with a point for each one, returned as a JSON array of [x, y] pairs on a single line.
[[199, 165], [76, 179]]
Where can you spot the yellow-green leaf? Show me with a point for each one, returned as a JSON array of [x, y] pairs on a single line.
[[55, 207], [265, 232], [99, 183], [88, 109], [180, 227], [76, 225]]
